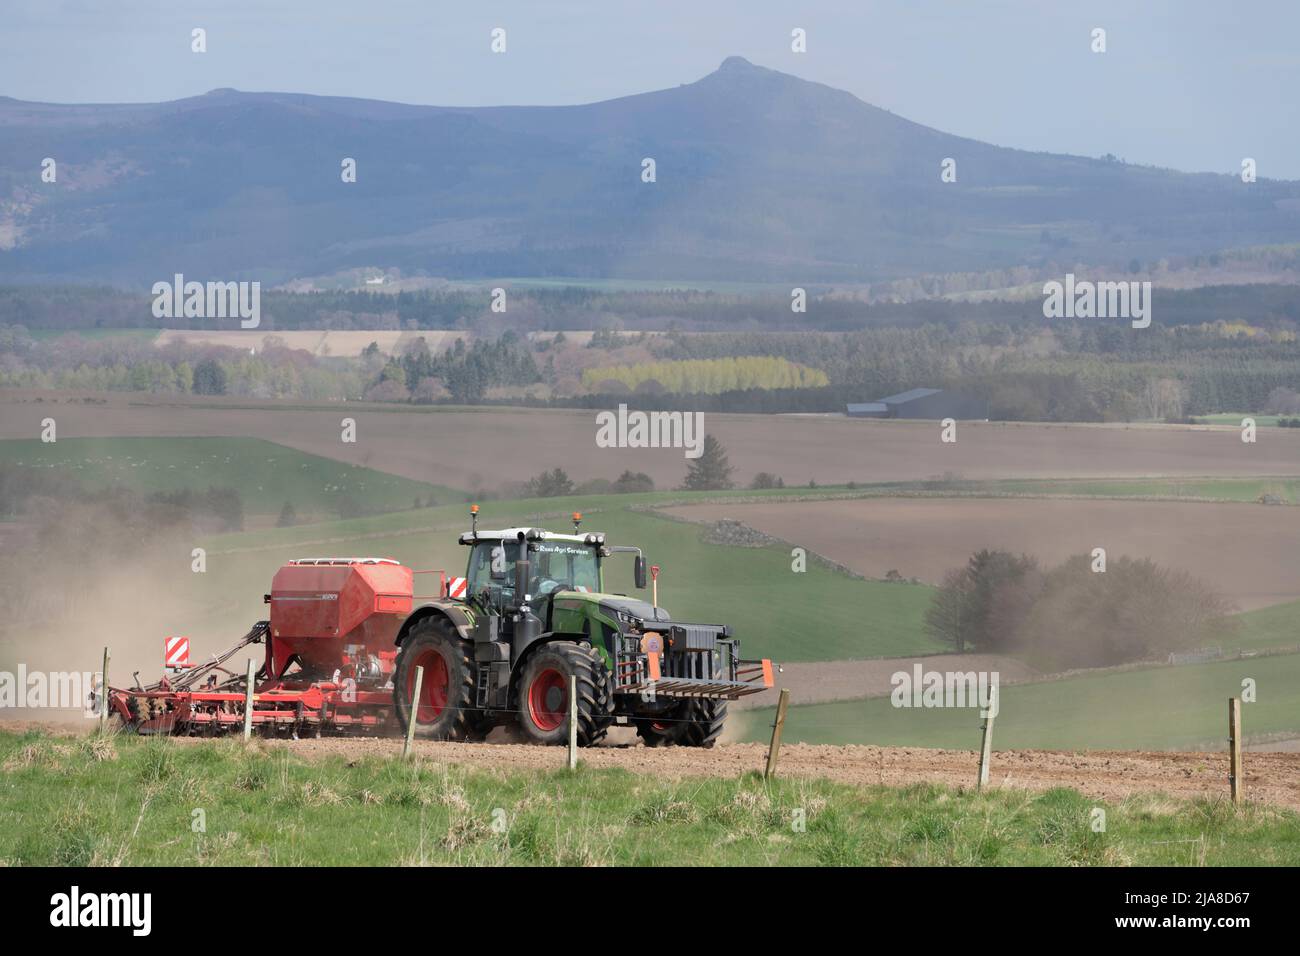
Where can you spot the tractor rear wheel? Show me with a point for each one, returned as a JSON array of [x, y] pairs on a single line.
[[692, 723], [542, 692], [445, 710]]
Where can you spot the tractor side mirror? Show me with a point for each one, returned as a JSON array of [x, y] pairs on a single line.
[[521, 581], [638, 572], [498, 564]]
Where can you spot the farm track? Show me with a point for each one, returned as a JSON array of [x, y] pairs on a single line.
[[1271, 778]]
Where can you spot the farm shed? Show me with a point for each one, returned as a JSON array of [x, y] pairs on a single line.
[[928, 403]]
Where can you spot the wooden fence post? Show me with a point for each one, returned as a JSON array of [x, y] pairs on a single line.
[[986, 743], [248, 701], [774, 748], [1235, 780], [415, 710], [573, 722], [103, 695]]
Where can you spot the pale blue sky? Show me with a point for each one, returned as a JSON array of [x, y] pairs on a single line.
[[1191, 84]]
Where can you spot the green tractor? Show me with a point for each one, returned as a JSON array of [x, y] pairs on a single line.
[[531, 614]]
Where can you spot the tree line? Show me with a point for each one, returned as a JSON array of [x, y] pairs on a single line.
[[712, 471], [579, 307], [1078, 614]]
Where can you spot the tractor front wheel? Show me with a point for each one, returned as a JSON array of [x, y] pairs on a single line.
[[705, 727], [666, 729], [445, 710], [692, 723], [542, 692]]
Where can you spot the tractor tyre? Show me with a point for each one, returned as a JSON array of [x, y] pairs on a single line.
[[692, 723], [705, 726], [446, 709], [666, 729], [542, 693], [479, 726]]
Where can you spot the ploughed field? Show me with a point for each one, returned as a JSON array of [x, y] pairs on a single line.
[[1249, 552], [462, 447]]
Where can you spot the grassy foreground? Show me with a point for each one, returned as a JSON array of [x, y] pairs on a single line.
[[95, 801]]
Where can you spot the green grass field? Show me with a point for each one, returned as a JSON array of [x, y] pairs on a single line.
[[1174, 708], [143, 802], [1219, 489], [1268, 627], [1234, 418], [264, 473], [98, 335], [1214, 489]]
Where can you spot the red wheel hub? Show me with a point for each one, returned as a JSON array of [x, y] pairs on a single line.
[[548, 699], [433, 686]]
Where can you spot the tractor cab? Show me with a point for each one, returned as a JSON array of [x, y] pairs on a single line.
[[555, 563], [518, 567]]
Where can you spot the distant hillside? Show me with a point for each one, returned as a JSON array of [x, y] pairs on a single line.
[[761, 177]]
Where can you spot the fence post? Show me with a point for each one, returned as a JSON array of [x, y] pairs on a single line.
[[415, 709], [986, 746], [103, 694], [1234, 748], [774, 748], [573, 722], [248, 701]]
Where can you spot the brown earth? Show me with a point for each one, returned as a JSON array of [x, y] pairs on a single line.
[[1248, 552], [462, 447], [1272, 778]]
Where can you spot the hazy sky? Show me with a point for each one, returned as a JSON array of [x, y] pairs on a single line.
[[1191, 84]]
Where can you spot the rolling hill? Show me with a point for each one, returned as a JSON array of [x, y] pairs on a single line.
[[761, 176]]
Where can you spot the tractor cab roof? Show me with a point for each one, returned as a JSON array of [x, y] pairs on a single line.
[[590, 538]]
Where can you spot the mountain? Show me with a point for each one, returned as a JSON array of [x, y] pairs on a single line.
[[761, 176]]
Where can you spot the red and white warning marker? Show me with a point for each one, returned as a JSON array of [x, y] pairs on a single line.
[[176, 652], [456, 587]]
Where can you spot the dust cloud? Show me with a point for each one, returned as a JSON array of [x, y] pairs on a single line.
[[76, 577]]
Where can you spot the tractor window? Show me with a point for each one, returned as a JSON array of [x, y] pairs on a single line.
[[566, 565], [480, 566], [552, 565]]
